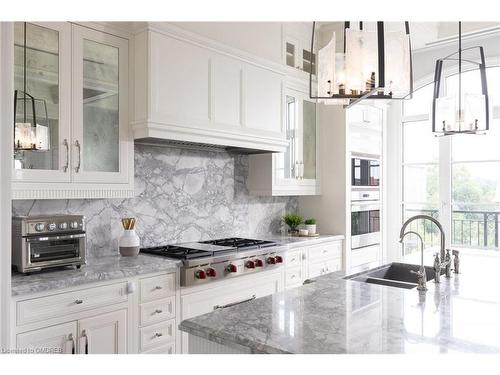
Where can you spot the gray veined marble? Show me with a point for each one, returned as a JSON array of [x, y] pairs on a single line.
[[97, 269], [182, 195], [333, 315]]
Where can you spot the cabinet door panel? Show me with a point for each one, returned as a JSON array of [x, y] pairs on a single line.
[[104, 334], [263, 93], [181, 88], [227, 91], [60, 339], [42, 70], [100, 102]]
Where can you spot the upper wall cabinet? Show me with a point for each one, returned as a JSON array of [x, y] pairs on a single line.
[[72, 136], [191, 91], [295, 171]]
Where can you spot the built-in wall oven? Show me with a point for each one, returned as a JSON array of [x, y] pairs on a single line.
[[365, 171], [365, 218]]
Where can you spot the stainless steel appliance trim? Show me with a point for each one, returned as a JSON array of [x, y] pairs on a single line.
[[364, 240], [363, 207], [216, 307], [54, 238]]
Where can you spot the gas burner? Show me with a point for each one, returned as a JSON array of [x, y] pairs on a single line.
[[213, 260]]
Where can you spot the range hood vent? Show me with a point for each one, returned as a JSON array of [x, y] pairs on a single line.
[[160, 142]]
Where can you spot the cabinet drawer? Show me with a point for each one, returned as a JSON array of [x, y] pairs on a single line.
[[325, 251], [157, 287], [43, 308], [364, 255], [333, 265], [293, 277], [157, 311], [157, 335], [293, 258], [316, 269], [165, 349]]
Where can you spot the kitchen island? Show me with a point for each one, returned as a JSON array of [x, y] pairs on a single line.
[[334, 315]]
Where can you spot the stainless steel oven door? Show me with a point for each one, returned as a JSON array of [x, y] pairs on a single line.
[[365, 224], [51, 251]]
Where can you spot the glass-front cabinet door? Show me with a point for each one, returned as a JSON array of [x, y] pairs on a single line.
[[100, 102], [42, 92], [297, 165]]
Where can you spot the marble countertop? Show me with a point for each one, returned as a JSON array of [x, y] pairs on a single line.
[[117, 267], [333, 315], [97, 269]]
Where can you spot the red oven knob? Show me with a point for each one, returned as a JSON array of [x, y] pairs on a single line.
[[271, 260], [231, 268], [259, 263], [211, 272], [279, 259], [200, 274], [250, 264]]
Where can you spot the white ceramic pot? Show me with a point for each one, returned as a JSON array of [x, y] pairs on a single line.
[[129, 243], [311, 228]]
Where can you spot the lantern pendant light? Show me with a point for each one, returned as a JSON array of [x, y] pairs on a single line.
[[463, 113], [373, 65]]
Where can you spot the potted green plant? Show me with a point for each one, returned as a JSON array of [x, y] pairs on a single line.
[[311, 225], [293, 220]]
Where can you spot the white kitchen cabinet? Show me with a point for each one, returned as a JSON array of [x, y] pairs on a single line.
[[201, 300], [297, 48], [312, 261], [189, 90], [103, 334], [58, 339], [82, 77], [136, 315], [295, 171]]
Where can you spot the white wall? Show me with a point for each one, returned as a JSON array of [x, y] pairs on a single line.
[[262, 39], [6, 136]]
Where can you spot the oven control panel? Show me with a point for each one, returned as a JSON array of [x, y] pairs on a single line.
[[38, 225]]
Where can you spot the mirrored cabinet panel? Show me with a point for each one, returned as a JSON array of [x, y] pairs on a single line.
[[100, 101], [41, 101]]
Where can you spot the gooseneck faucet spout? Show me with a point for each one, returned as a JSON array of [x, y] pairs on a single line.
[[442, 252]]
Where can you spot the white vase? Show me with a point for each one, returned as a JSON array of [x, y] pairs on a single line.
[[129, 243], [311, 228]]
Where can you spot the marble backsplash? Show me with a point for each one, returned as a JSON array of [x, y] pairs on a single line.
[[181, 195]]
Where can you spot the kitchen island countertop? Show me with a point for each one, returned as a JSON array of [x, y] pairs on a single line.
[[334, 315]]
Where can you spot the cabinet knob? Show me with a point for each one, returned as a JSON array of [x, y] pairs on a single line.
[[78, 301]]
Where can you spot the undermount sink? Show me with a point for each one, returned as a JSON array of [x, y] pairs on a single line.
[[394, 274]]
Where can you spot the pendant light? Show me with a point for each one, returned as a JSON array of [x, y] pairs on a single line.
[[29, 135], [465, 113], [373, 65]]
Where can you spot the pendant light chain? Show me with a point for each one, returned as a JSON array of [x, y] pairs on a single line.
[[24, 75]]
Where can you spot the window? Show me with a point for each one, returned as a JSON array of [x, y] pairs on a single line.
[[474, 163]]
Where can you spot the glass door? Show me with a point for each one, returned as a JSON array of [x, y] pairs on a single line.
[[100, 105], [42, 68]]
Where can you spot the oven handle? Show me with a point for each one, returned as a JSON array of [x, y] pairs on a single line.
[[52, 238], [216, 307], [365, 207]]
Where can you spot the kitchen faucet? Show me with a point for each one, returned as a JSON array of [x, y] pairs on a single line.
[[421, 275], [443, 261]]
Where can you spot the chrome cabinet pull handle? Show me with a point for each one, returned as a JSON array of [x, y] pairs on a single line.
[[77, 144], [158, 287], [84, 335], [157, 334], [158, 311], [235, 303], [72, 339], [78, 301], [65, 168]]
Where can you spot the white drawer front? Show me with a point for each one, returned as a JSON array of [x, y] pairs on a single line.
[[157, 311], [325, 251], [293, 258], [365, 255], [157, 335], [293, 277], [333, 265], [316, 269], [43, 308], [157, 287], [165, 349]]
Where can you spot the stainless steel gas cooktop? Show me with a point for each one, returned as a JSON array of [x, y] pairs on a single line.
[[212, 260]]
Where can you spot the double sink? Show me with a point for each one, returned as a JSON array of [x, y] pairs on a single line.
[[397, 275]]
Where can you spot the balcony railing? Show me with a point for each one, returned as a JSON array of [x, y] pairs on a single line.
[[476, 229]]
